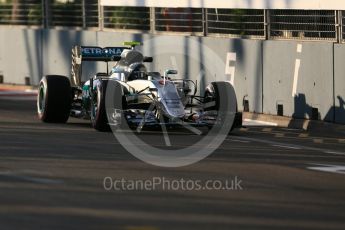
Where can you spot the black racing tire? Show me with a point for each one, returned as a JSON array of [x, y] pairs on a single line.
[[54, 99], [100, 96], [99, 120], [116, 101], [214, 92]]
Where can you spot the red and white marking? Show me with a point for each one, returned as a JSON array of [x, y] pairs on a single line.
[[25, 94]]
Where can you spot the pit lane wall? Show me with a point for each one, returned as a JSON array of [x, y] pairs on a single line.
[[292, 78]]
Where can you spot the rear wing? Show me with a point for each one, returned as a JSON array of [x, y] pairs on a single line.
[[92, 53]]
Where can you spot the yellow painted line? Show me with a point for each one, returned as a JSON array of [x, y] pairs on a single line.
[[318, 141]]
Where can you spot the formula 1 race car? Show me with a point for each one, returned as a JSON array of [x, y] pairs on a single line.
[[128, 94]]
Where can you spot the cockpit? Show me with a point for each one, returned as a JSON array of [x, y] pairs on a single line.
[[137, 71], [130, 67]]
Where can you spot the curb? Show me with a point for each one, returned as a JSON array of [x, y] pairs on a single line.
[[17, 92], [17, 87], [289, 122]]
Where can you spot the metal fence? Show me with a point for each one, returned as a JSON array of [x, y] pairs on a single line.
[[303, 24], [179, 20], [126, 18], [342, 25], [28, 13], [77, 13], [327, 25], [236, 22]]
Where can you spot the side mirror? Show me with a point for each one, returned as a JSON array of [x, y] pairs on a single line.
[[170, 71], [148, 59]]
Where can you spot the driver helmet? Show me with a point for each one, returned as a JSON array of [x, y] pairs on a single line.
[[137, 71]]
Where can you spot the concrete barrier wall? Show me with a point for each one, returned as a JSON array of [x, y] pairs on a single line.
[[20, 55], [299, 76], [339, 83], [243, 58]]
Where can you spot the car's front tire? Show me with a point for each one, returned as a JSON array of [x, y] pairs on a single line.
[[216, 96], [99, 119], [54, 99]]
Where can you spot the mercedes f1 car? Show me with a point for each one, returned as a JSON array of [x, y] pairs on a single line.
[[127, 94]]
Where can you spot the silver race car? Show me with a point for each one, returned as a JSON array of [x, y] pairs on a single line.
[[129, 95]]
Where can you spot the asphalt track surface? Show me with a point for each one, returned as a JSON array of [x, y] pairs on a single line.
[[51, 177]]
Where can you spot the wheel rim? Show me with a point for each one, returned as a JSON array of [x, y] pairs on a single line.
[[41, 99], [94, 107], [209, 97]]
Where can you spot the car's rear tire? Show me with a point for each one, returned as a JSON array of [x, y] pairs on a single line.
[[54, 99]]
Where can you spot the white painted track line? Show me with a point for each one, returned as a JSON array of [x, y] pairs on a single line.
[[249, 122], [291, 146]]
